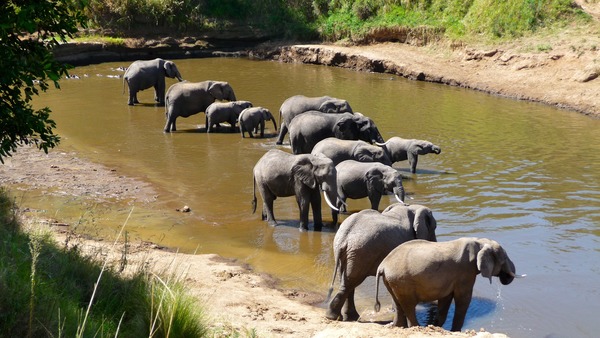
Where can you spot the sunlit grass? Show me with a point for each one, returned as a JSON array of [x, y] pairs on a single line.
[[48, 290]]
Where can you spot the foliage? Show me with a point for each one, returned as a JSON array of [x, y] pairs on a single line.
[[45, 290], [28, 31]]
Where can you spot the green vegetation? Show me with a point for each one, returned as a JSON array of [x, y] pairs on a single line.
[[28, 30], [46, 291], [354, 20]]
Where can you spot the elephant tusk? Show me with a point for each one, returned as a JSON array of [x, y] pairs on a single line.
[[399, 199], [329, 202], [521, 276]]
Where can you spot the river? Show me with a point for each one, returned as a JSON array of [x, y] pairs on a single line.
[[524, 174]]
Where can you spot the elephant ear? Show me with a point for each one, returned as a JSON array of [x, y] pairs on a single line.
[[486, 261], [424, 224], [343, 128], [216, 90], [363, 155], [303, 172], [375, 181], [329, 107]]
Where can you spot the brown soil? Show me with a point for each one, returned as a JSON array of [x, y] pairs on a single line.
[[560, 70]]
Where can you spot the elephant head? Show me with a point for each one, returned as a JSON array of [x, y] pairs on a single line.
[[419, 216], [318, 171], [172, 71], [492, 261], [400, 149], [221, 91], [368, 131], [392, 181], [268, 116], [335, 106]]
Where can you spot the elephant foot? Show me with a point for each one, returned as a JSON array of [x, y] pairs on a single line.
[[351, 317], [272, 223], [130, 104], [303, 228], [332, 315], [318, 227], [278, 143]]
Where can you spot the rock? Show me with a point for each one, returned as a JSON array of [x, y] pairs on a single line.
[[589, 73]]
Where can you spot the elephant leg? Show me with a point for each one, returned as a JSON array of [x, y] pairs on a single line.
[[283, 129], [399, 316], [461, 305], [315, 202], [334, 216], [303, 205], [408, 310], [262, 129], [412, 162], [170, 125], [132, 97], [268, 209], [443, 307], [334, 310], [349, 310]]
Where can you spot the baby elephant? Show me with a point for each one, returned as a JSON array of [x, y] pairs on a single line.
[[422, 271], [224, 112], [366, 179], [252, 118]]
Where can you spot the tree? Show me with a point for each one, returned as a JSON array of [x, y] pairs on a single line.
[[29, 29]]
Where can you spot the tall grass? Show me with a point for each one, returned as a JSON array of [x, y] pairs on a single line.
[[45, 290]]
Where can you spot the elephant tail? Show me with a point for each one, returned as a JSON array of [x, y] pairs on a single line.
[[380, 272], [335, 270], [253, 194]]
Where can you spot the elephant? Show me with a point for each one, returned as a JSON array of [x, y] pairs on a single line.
[[188, 98], [281, 174], [251, 119], [299, 104], [144, 74], [340, 150], [366, 179], [401, 149], [363, 240], [421, 271], [307, 129], [229, 112]]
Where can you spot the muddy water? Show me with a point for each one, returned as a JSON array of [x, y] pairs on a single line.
[[524, 174]]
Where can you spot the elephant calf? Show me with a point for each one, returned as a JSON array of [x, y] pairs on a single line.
[[421, 271], [281, 174], [251, 119], [401, 149], [340, 150], [366, 179], [364, 239], [228, 112]]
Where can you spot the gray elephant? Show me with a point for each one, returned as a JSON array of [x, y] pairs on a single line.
[[340, 150], [366, 179], [307, 129], [363, 240], [401, 149], [421, 271], [188, 98], [229, 112], [251, 119], [299, 104], [281, 174], [142, 75]]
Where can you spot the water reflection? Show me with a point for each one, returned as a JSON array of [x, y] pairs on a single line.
[[521, 173]]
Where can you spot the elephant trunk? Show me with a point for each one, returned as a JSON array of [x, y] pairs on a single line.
[[274, 123]]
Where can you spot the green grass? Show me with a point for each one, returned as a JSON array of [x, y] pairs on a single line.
[[333, 20], [46, 290], [109, 40]]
